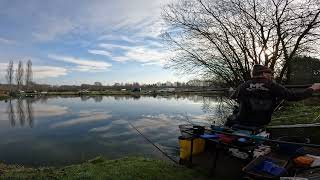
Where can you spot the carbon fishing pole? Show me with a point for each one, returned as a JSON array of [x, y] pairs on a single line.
[[188, 120], [298, 86], [266, 140], [287, 86], [316, 118], [164, 153]]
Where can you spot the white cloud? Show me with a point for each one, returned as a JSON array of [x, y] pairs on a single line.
[[121, 58], [100, 52], [152, 28], [7, 41], [114, 46], [65, 24], [143, 54], [41, 72], [49, 20], [52, 28], [117, 37], [87, 65]]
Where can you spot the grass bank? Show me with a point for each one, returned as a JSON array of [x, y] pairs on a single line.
[[306, 111], [3, 96], [99, 168]]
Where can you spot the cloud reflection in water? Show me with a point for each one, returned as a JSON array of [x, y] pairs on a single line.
[[92, 117]]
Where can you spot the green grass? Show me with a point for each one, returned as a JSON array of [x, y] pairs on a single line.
[[126, 168], [3, 96], [307, 111]]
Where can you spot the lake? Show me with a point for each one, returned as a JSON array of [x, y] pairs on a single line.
[[59, 131]]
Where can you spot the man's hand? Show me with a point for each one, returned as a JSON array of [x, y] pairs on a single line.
[[315, 87]]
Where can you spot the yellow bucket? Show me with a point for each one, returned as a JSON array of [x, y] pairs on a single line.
[[185, 146]]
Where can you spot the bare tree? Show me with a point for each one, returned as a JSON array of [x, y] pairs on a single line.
[[19, 75], [29, 74], [9, 75], [225, 38]]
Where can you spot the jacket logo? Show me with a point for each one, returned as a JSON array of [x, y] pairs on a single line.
[[257, 86]]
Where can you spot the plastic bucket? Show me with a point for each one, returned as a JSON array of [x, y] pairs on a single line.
[[185, 127], [198, 130], [292, 148], [185, 147]]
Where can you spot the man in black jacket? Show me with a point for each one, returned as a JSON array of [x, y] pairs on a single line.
[[259, 97]]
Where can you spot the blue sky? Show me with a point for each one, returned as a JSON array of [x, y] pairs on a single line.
[[81, 41]]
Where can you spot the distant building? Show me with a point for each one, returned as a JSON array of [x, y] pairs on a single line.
[[167, 90], [168, 83], [136, 90], [84, 91], [98, 84]]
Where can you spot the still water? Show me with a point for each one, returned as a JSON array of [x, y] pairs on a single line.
[[58, 131]]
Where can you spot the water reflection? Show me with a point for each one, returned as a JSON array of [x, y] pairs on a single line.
[[126, 97], [84, 98], [29, 112], [220, 107], [11, 114], [21, 113], [87, 117], [215, 109], [73, 129], [195, 98], [20, 110], [98, 98]]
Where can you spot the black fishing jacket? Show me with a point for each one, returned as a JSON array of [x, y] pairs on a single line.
[[259, 97]]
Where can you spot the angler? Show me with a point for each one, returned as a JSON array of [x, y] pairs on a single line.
[[259, 96]]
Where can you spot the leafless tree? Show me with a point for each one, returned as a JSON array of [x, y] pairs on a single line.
[[19, 75], [9, 75], [29, 74], [225, 38]]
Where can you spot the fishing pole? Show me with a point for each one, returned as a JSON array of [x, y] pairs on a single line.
[[278, 106], [188, 120], [313, 122], [298, 86], [287, 86], [316, 118], [294, 126], [265, 139], [164, 153]]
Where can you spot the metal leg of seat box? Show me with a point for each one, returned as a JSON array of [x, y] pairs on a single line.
[[191, 151], [215, 159]]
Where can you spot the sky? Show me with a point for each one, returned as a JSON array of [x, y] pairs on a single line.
[[81, 41]]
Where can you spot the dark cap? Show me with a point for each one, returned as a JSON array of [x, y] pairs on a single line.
[[258, 69]]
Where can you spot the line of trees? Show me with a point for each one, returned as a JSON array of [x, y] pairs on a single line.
[[19, 75], [225, 38]]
